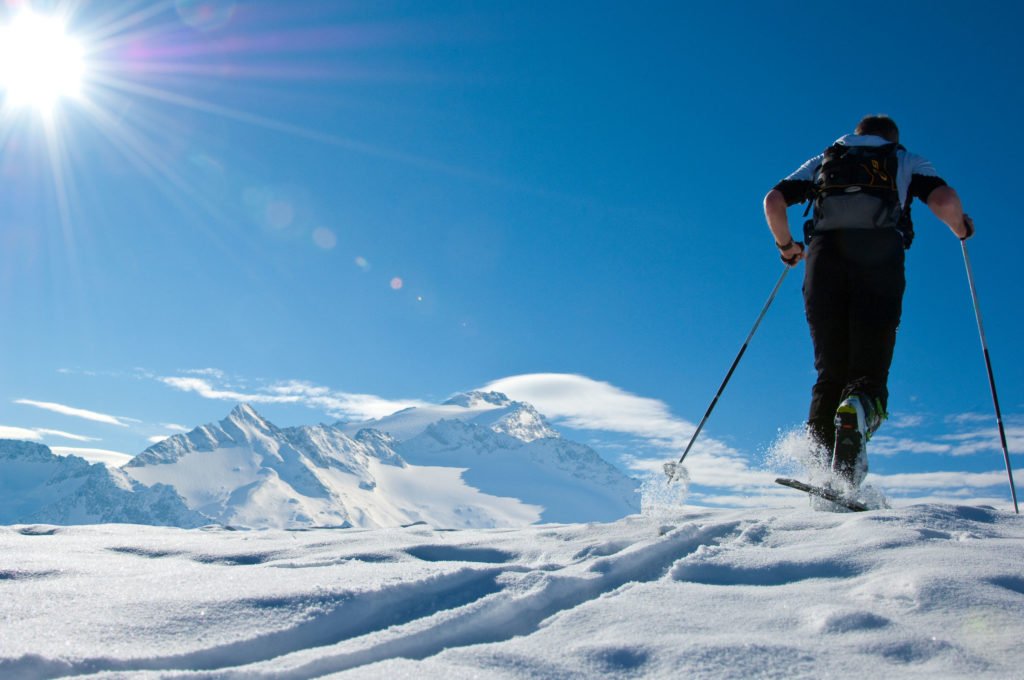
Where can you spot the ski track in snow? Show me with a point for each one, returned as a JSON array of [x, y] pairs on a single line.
[[927, 591]]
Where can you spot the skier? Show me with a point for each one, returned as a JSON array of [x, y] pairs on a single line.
[[861, 188]]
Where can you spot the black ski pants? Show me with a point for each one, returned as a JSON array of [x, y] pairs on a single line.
[[853, 298]]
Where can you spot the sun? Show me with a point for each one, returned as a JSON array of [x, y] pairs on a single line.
[[40, 64]]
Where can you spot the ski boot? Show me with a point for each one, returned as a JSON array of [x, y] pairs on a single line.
[[856, 420]]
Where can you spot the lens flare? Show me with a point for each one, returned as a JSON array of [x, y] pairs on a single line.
[[324, 238], [205, 15], [397, 283], [280, 214]]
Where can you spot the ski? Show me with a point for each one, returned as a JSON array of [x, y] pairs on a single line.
[[821, 492]]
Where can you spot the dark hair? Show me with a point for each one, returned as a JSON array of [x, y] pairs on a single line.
[[880, 125]]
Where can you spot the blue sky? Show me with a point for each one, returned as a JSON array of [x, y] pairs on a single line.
[[295, 203]]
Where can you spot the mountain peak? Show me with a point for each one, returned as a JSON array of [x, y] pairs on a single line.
[[16, 449], [245, 411], [478, 399], [525, 423], [245, 414]]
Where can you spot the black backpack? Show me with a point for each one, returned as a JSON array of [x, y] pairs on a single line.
[[855, 188]]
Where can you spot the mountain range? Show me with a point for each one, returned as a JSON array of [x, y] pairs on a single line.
[[477, 460]]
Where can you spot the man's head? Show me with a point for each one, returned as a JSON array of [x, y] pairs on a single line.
[[882, 126]]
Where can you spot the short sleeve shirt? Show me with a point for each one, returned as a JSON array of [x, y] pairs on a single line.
[[915, 178]]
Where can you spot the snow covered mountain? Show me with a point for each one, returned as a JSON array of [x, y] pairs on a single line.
[[246, 471], [38, 486], [492, 410], [478, 460], [569, 480], [508, 448]]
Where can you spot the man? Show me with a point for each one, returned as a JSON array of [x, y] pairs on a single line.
[[861, 188]]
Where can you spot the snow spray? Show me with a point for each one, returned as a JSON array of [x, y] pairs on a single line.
[[795, 453], [658, 499]]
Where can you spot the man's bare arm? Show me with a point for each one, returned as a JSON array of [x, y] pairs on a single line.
[[778, 221], [945, 203]]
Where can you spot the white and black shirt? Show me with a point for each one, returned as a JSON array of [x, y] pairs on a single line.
[[916, 176]]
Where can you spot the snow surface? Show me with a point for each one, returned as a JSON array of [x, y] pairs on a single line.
[[928, 591]]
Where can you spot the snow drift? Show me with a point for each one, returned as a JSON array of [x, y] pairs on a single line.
[[921, 592]]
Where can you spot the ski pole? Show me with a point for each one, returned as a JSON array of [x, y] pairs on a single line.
[[736, 361], [991, 379]]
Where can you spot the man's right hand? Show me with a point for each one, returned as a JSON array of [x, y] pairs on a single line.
[[967, 229], [792, 253]]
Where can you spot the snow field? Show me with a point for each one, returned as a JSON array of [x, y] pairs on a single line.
[[926, 591]]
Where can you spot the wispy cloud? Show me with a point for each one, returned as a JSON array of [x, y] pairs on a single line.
[[74, 412], [211, 372], [337, 404], [208, 390], [67, 435], [938, 480], [37, 433], [963, 434], [883, 445], [10, 432], [112, 458], [906, 420], [347, 405], [969, 418]]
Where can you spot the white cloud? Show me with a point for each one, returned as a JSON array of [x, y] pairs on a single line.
[[986, 440], [175, 427], [209, 372], [37, 433], [905, 420], [577, 401], [67, 435], [966, 418], [966, 443], [10, 432], [74, 412], [341, 405], [883, 445], [112, 458], [938, 480], [204, 388], [156, 439], [583, 403]]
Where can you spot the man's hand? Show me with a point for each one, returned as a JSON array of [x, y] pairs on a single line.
[[791, 252], [967, 230]]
